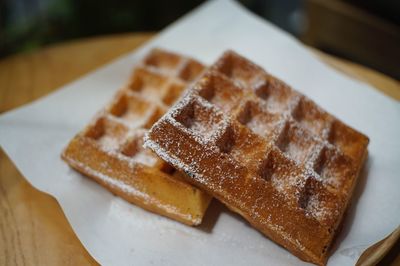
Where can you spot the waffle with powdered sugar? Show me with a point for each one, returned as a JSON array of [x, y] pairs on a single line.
[[266, 151], [110, 151]]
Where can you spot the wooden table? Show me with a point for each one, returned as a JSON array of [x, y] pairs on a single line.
[[33, 228]]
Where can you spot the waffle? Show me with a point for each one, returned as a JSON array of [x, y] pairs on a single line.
[[266, 151], [110, 151]]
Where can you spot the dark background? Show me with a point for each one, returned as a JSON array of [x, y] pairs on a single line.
[[364, 31]]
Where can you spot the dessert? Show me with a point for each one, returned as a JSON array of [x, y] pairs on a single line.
[[109, 149], [266, 151]]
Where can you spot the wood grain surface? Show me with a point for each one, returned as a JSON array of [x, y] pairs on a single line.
[[33, 228]]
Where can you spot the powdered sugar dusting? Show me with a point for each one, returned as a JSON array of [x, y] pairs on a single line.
[[303, 166]]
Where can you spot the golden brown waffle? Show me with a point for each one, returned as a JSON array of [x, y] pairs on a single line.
[[110, 149], [266, 151]]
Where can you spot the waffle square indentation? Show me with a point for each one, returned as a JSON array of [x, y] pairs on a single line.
[[260, 121], [200, 120], [190, 71], [162, 60], [296, 143], [148, 83], [107, 133], [220, 92]]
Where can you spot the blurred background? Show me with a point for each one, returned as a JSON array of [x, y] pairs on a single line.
[[363, 31]]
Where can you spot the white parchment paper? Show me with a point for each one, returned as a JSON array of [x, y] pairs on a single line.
[[117, 233]]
